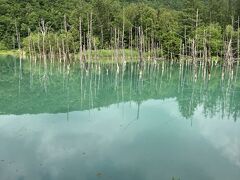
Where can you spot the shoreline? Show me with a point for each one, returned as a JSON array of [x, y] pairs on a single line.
[[9, 52]]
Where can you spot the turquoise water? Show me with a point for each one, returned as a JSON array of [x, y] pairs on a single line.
[[63, 122]]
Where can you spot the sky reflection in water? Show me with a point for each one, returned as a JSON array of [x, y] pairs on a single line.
[[117, 129]]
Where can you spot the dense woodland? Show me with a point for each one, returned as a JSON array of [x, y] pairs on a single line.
[[168, 24]]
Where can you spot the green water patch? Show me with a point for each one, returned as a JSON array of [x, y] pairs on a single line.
[[107, 121]]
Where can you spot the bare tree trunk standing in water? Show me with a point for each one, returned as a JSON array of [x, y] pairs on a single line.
[[185, 41], [140, 45], [115, 44], [18, 37], [89, 48], [131, 44], [194, 48], [229, 54], [43, 29], [80, 40], [123, 45], [238, 43], [66, 41], [29, 43]]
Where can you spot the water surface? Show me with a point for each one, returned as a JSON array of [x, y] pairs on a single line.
[[99, 122]]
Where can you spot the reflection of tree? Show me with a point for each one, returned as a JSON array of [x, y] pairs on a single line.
[[75, 88]]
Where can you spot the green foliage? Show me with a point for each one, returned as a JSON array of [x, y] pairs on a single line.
[[141, 15], [212, 34], [229, 31], [51, 39], [163, 20], [167, 30], [2, 46]]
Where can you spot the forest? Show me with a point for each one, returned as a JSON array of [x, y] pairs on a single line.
[[173, 27], [120, 89]]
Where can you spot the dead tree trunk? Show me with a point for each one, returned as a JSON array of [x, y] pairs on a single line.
[[18, 37], [238, 43], [123, 45], [80, 39], [140, 45], [43, 30]]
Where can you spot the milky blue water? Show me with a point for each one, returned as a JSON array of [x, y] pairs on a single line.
[[162, 122]]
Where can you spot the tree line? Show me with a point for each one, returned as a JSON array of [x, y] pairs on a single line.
[[172, 27]]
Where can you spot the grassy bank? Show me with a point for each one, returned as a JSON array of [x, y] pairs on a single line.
[[9, 52], [106, 56], [103, 55]]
